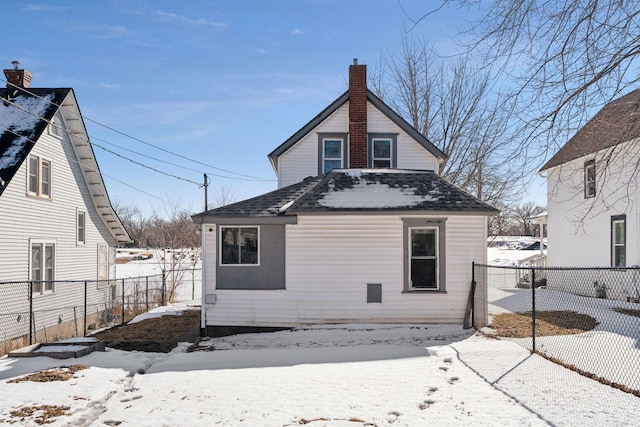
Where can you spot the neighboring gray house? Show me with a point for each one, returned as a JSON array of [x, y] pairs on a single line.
[[56, 220], [361, 229]]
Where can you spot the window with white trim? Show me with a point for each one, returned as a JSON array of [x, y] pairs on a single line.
[[618, 240], [424, 254], [43, 257], [56, 126], [39, 177], [589, 179], [382, 150], [423, 267], [81, 229], [239, 245], [332, 154]]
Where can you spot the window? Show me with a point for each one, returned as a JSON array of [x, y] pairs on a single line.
[[56, 126], [382, 150], [618, 240], [332, 154], [39, 177], [81, 231], [239, 245], [42, 267], [424, 258], [332, 151], [589, 179], [424, 254]]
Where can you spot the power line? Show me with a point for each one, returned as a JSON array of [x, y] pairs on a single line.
[[88, 141], [142, 141], [97, 171]]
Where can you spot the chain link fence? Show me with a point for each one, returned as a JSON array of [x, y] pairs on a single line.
[[46, 311], [587, 319]]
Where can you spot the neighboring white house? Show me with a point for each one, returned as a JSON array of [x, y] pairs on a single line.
[[592, 192], [56, 220], [361, 229]]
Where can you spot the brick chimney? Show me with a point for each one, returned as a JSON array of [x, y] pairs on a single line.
[[357, 115], [16, 77]]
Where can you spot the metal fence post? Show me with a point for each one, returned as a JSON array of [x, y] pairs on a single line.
[[164, 287], [30, 312], [533, 308], [122, 301], [84, 328], [146, 293]]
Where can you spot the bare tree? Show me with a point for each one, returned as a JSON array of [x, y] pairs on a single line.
[[523, 212], [133, 222], [222, 197], [565, 58], [451, 102]]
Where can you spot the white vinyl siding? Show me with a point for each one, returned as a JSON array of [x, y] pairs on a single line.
[[301, 160], [330, 262], [52, 219], [579, 229], [411, 155]]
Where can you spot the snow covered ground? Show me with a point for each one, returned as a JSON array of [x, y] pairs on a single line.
[[334, 376]]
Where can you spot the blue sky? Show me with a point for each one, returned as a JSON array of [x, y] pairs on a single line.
[[219, 82]]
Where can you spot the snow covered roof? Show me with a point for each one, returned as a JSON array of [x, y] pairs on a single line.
[[358, 190], [24, 116]]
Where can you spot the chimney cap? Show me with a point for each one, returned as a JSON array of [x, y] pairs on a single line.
[[15, 64], [355, 61]]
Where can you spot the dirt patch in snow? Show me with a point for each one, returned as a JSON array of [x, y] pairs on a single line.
[[157, 334], [63, 373], [628, 312], [40, 414], [548, 323]]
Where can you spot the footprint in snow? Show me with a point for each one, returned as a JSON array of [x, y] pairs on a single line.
[[431, 390], [392, 417], [448, 360], [426, 404], [453, 380], [443, 368]]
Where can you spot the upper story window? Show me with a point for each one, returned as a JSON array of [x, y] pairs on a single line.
[[56, 126], [81, 230], [332, 152], [39, 177], [43, 256], [589, 178], [239, 245], [382, 150]]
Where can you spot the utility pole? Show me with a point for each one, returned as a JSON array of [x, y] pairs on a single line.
[[206, 184]]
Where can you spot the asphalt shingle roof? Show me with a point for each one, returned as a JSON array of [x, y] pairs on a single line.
[[354, 190], [617, 122]]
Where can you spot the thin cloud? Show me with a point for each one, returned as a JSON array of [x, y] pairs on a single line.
[[110, 85], [261, 51], [296, 32], [99, 31], [190, 21], [41, 8]]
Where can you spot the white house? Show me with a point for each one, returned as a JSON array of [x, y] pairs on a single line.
[[361, 229], [56, 220], [592, 192]]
